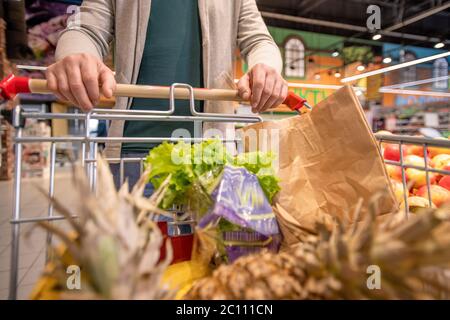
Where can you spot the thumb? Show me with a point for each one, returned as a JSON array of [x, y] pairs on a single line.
[[108, 82], [244, 87]]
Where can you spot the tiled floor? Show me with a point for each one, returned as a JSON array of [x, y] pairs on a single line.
[[32, 240]]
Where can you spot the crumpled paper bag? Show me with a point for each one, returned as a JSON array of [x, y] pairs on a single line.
[[328, 163]]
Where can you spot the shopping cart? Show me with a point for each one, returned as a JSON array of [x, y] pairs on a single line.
[[12, 85], [90, 145]]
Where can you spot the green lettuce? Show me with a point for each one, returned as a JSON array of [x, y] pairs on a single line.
[[195, 170]]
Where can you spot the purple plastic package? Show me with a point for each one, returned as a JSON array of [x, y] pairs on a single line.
[[239, 199]]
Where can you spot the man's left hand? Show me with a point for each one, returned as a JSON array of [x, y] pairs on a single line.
[[264, 87]]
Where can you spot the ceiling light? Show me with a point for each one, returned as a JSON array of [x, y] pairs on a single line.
[[361, 67], [317, 76], [387, 60], [415, 92], [376, 36], [439, 45], [395, 67], [337, 74], [335, 53], [358, 92]]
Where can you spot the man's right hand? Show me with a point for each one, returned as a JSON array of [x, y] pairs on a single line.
[[79, 78]]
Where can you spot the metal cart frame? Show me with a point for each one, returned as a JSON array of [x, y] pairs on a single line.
[[425, 143], [89, 149]]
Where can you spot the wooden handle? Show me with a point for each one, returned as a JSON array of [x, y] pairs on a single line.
[[139, 91]]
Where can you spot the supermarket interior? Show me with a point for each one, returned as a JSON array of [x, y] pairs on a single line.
[[98, 96]]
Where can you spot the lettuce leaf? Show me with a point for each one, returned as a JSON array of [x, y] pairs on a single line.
[[199, 165]]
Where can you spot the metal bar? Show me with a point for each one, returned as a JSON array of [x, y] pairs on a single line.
[[94, 167], [199, 115], [427, 173], [210, 117], [413, 140], [418, 17], [51, 193], [405, 187], [126, 160], [13, 280], [122, 172], [83, 152], [86, 144], [33, 220], [396, 163], [115, 139]]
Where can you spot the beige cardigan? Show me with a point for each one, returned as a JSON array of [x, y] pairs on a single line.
[[226, 25]]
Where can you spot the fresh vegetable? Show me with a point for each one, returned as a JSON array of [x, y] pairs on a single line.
[[194, 171]]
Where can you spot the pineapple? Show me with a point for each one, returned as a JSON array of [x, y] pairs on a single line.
[[338, 264], [114, 241]]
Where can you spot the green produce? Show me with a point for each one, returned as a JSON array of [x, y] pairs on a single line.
[[194, 171]]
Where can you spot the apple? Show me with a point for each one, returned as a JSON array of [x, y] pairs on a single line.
[[398, 190], [415, 160], [416, 204], [445, 182], [392, 152], [385, 132], [439, 195], [394, 172], [416, 150], [434, 151], [440, 161], [418, 178]]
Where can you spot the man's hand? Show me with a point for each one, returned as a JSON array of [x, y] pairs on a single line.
[[79, 78], [264, 87]]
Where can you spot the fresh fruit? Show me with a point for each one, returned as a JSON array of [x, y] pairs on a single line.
[[434, 151], [415, 161], [416, 150], [334, 264], [440, 161], [418, 178], [116, 245], [392, 152], [398, 190], [445, 182], [416, 204], [439, 195], [394, 172], [385, 132]]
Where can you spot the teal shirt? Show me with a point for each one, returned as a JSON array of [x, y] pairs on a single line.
[[172, 54]]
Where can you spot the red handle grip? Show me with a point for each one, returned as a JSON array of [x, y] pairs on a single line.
[[295, 102], [12, 85]]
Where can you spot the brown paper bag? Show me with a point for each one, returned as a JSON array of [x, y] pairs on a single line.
[[328, 161]]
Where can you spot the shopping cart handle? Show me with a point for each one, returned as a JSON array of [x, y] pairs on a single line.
[[12, 85]]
